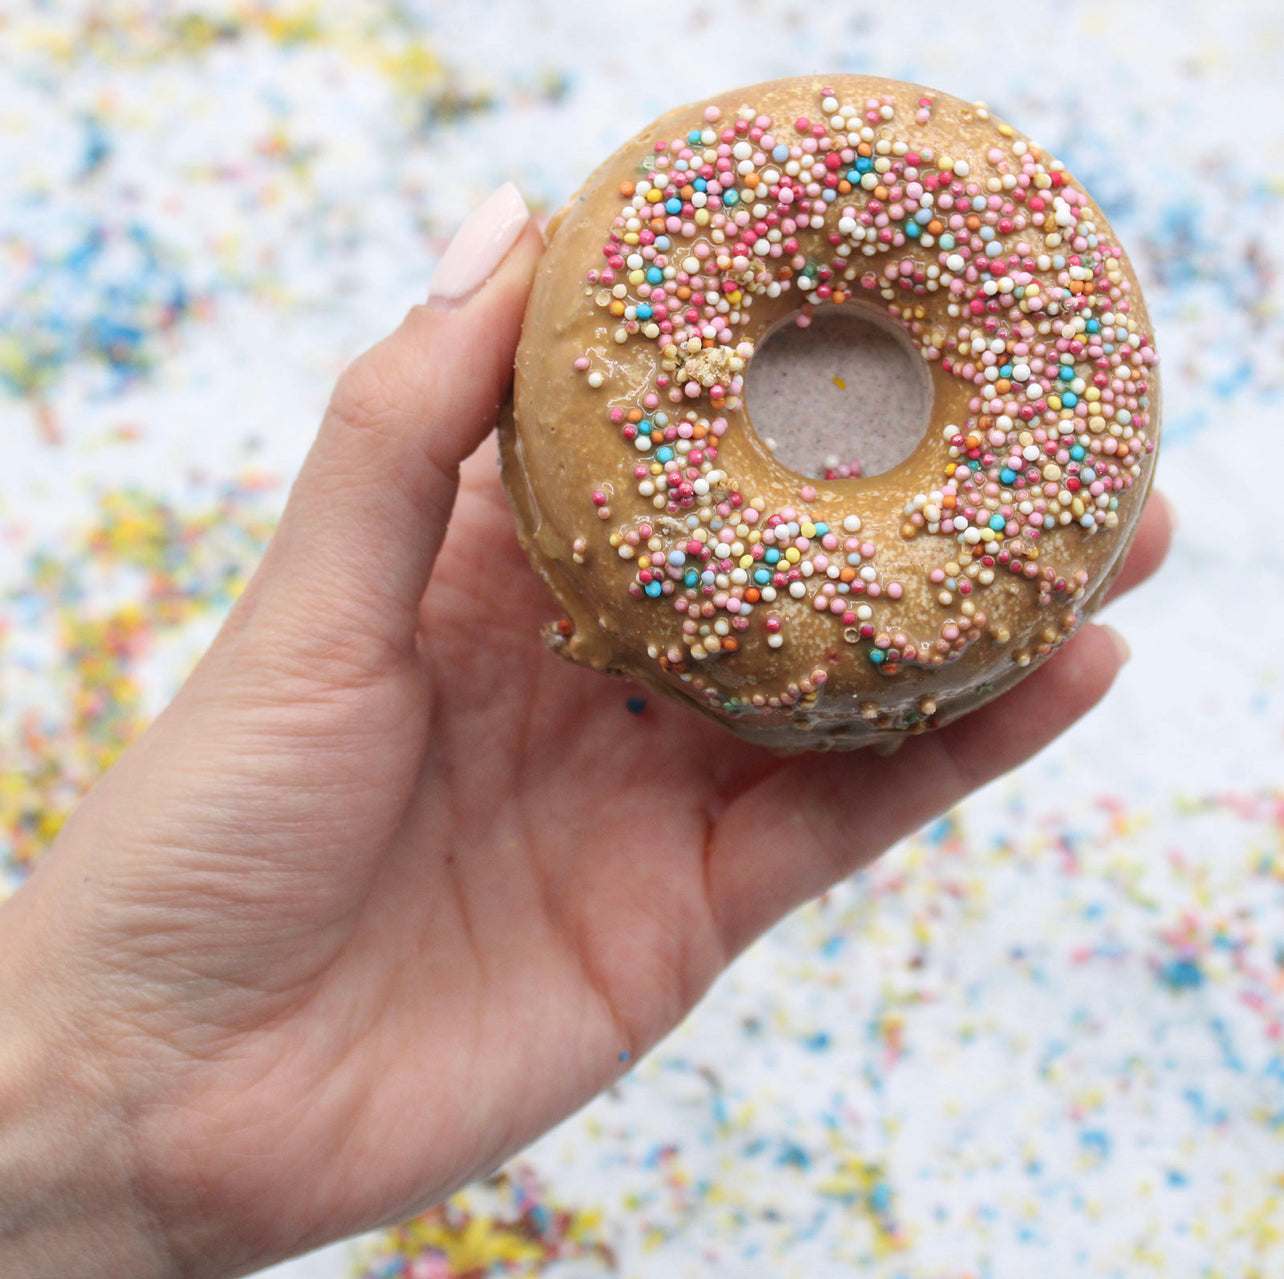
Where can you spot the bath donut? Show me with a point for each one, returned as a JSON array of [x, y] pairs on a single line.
[[830, 611]]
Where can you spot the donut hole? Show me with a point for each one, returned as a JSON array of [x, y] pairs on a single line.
[[845, 394]]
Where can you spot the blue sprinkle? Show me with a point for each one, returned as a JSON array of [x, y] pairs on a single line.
[[653, 588], [654, 275], [1007, 475], [644, 311], [695, 137], [664, 454], [998, 523], [690, 577], [761, 576], [771, 555], [1069, 399], [780, 153], [1182, 974], [877, 656], [793, 1156], [700, 184], [1066, 373], [1093, 326], [1078, 452], [731, 197], [644, 427], [821, 529], [1097, 1142], [913, 230], [634, 706], [673, 205]]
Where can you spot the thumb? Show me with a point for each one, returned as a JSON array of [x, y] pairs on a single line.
[[356, 544]]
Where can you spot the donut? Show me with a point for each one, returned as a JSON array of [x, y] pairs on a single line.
[[836, 610]]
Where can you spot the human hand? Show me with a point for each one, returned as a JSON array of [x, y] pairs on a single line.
[[386, 891]]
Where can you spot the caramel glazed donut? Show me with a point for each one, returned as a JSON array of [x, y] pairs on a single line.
[[808, 613]]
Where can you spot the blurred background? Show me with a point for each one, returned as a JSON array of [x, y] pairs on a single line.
[[1043, 1036]]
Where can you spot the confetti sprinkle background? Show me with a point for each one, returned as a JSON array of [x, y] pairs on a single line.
[[1042, 1037]]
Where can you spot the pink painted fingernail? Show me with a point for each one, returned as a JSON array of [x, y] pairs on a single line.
[[479, 245], [1122, 651]]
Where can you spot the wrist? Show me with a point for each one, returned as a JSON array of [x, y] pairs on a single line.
[[68, 1196]]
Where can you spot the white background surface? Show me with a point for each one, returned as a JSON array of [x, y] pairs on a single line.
[[990, 1020]]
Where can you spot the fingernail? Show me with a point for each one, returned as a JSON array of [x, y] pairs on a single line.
[[1174, 518], [1122, 651], [479, 245]]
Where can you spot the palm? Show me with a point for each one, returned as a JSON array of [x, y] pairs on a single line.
[[538, 914]]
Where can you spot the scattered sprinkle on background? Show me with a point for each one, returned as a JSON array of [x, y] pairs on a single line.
[[1042, 1037]]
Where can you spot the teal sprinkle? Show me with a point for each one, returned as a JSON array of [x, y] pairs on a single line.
[[644, 427], [690, 577], [1078, 452], [1069, 399], [664, 454], [644, 311], [652, 588], [731, 197], [1182, 974], [998, 523], [1066, 373], [1007, 475], [694, 136], [877, 656], [913, 230], [771, 555], [761, 576], [946, 241], [654, 275], [673, 205]]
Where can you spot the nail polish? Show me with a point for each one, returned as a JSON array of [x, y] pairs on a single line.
[[479, 246]]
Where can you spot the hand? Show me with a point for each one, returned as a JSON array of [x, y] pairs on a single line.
[[388, 890]]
